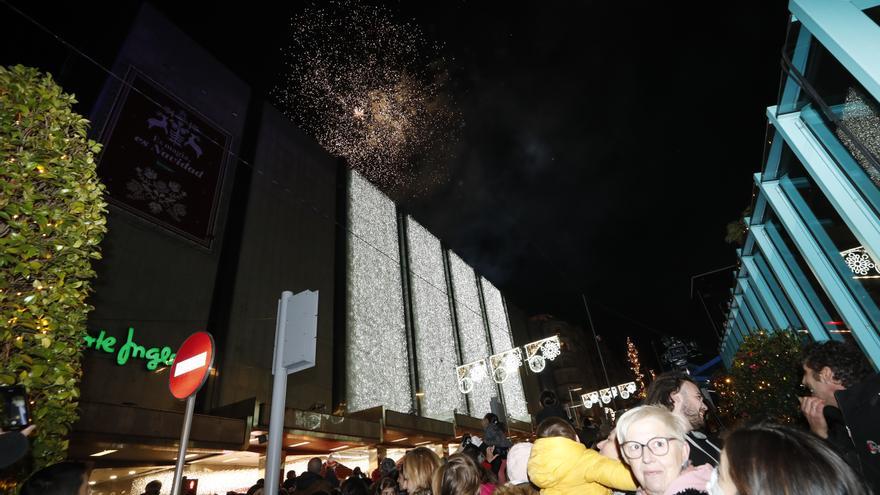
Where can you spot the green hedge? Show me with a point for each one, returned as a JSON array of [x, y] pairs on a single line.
[[52, 218]]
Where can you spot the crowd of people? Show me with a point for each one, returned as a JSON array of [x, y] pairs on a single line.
[[656, 448]]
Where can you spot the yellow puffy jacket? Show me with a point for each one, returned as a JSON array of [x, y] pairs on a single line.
[[559, 466]]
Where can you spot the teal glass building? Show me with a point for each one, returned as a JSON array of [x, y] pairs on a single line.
[[811, 258]]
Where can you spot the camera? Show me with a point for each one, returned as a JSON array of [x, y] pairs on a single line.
[[15, 413]]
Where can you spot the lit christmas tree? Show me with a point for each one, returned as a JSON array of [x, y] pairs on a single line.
[[632, 354], [763, 381]]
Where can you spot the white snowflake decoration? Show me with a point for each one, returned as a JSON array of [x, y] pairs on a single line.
[[859, 263], [551, 349]]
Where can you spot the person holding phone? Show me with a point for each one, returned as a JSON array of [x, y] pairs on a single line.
[[13, 446]]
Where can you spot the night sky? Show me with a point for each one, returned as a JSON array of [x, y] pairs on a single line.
[[605, 144]]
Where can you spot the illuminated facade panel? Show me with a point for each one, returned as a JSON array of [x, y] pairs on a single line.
[[471, 331], [436, 352], [502, 340], [377, 371]]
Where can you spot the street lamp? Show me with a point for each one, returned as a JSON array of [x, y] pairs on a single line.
[[573, 406]]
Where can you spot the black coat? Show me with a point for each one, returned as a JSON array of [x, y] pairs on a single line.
[[704, 449], [860, 414]]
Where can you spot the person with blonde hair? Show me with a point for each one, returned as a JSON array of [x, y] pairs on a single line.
[[652, 441], [561, 465], [419, 465]]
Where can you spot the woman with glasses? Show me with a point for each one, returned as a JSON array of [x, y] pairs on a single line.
[[652, 441]]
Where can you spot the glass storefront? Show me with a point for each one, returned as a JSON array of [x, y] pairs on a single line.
[[801, 272], [852, 264]]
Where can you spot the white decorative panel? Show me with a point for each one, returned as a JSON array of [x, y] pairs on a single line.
[[471, 331], [434, 340], [502, 340], [377, 368]]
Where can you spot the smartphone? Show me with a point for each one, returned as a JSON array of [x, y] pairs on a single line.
[[15, 412]]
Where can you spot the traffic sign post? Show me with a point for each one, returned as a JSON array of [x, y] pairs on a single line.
[[188, 373], [296, 331]]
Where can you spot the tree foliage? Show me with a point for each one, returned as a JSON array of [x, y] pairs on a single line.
[[764, 379], [52, 218]]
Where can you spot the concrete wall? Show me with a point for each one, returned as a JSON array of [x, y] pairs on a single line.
[[287, 244]]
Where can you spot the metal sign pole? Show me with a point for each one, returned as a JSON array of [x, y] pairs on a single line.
[[296, 333], [279, 395], [184, 440]]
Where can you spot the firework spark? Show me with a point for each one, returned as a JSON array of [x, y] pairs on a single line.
[[373, 91]]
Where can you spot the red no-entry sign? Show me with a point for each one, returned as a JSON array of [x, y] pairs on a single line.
[[191, 365]]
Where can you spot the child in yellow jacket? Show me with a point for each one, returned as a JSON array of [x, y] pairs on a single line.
[[561, 465]]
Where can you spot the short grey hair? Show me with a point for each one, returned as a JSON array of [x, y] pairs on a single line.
[[677, 425]]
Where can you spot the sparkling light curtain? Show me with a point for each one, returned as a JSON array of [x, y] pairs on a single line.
[[377, 368], [436, 353], [471, 331], [502, 340]]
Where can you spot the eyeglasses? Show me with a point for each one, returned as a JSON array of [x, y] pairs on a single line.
[[658, 446]]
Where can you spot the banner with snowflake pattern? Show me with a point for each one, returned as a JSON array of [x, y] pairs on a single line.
[[163, 160]]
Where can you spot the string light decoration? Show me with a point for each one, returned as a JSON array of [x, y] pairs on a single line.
[[549, 348], [606, 395], [505, 364], [632, 355], [470, 374], [373, 91]]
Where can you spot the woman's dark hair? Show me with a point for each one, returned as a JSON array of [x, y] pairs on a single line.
[[548, 398], [492, 418], [385, 482], [771, 458], [662, 388], [556, 427], [486, 475], [354, 486], [63, 478], [459, 476]]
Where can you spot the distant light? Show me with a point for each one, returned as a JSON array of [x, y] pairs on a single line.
[[104, 452], [297, 445], [113, 476], [339, 448], [400, 439], [577, 389], [132, 472], [832, 322], [92, 483], [423, 443]]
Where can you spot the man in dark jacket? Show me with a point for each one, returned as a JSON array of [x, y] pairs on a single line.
[[290, 483], [845, 404], [550, 408], [679, 393], [311, 481]]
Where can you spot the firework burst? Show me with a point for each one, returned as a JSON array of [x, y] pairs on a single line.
[[373, 91]]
